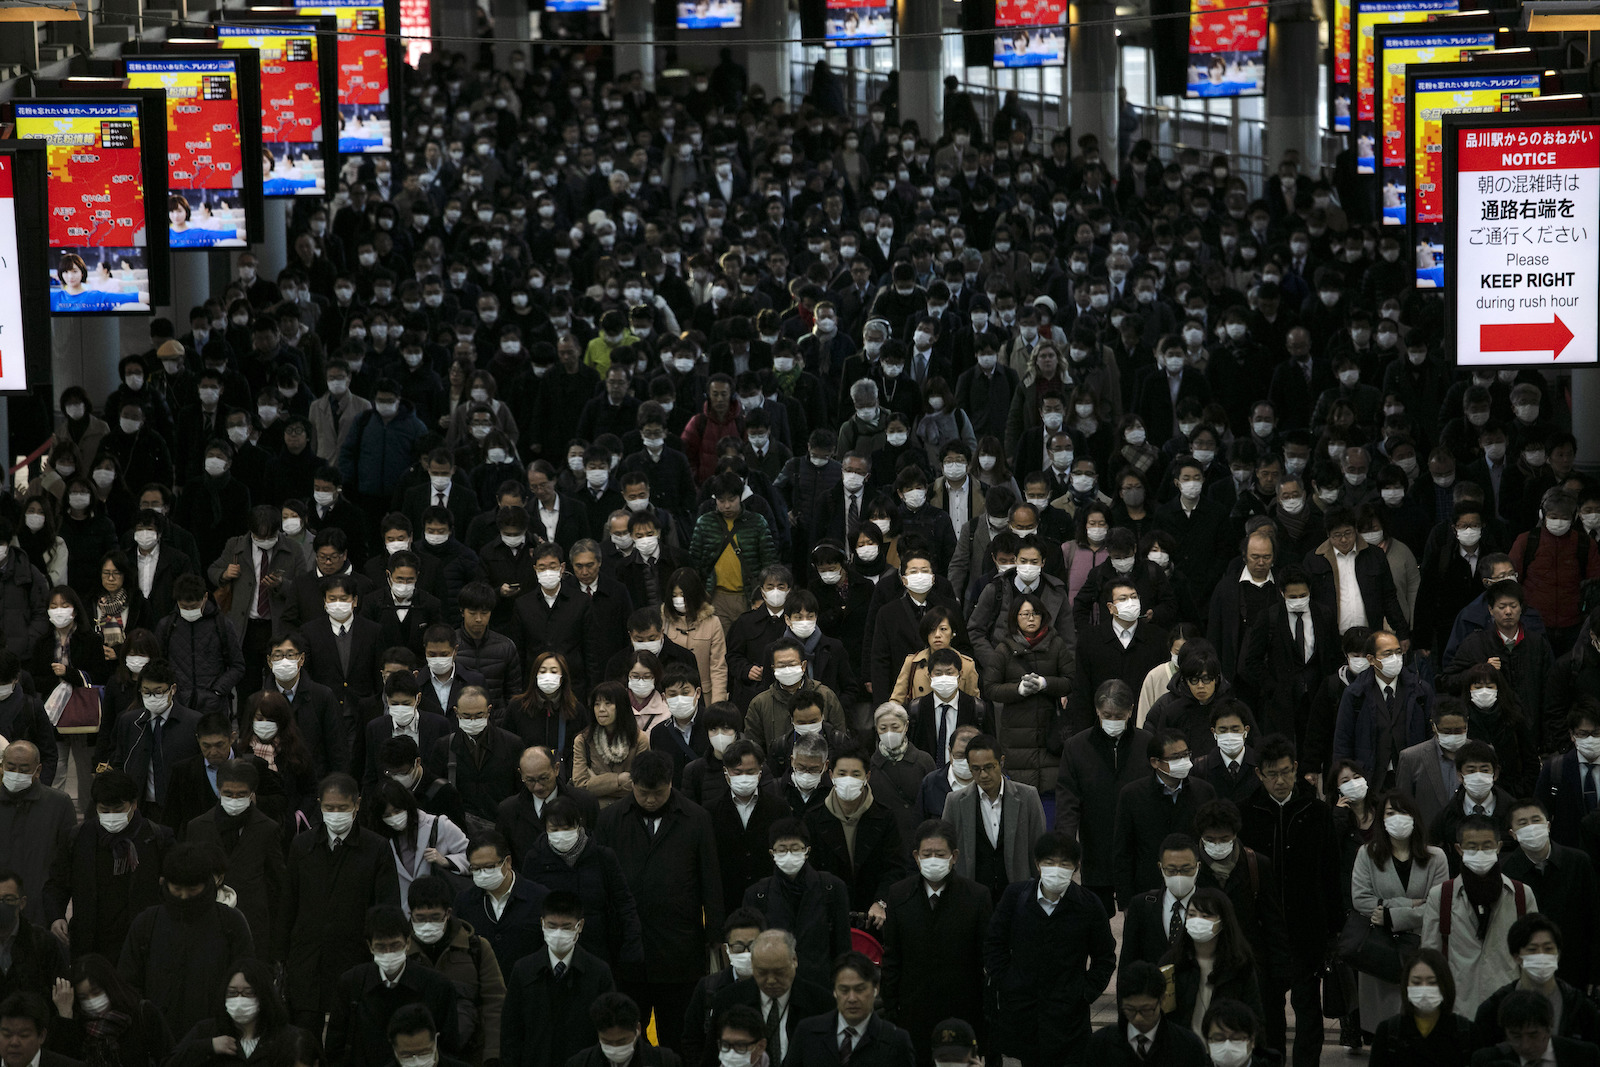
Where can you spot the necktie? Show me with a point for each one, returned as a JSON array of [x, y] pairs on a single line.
[[158, 756], [1590, 795], [1300, 635], [774, 1023], [1143, 1045], [847, 1044], [943, 747], [263, 592], [439, 499], [1477, 809], [560, 971], [1177, 920], [341, 638], [853, 517]]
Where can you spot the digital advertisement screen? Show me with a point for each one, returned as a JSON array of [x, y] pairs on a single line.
[[416, 26], [99, 238], [1368, 15], [1339, 95], [1433, 95], [364, 84], [1395, 51], [859, 23], [13, 367], [291, 104], [1030, 33], [711, 15], [206, 164], [575, 7], [1227, 49]]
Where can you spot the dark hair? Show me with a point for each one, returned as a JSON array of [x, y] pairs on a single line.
[[1380, 848], [99, 971], [30, 1006], [1441, 970], [272, 1016], [788, 827], [430, 892], [1220, 814], [1233, 954], [652, 769], [1236, 1015], [741, 1018], [1521, 1008], [613, 1011], [1054, 844], [855, 961], [1526, 926], [929, 829], [411, 1019], [1140, 978], [743, 918]]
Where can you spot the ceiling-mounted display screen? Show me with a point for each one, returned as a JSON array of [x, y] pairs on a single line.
[[859, 23], [1227, 49], [291, 103], [1030, 33], [213, 142]]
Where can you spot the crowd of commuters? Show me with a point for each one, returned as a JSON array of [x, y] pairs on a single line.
[[660, 578]]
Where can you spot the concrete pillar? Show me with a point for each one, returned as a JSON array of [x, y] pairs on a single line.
[[1585, 403], [191, 285], [920, 67], [455, 21], [1292, 71], [85, 351], [511, 28], [766, 21], [633, 27], [1091, 106], [272, 255]]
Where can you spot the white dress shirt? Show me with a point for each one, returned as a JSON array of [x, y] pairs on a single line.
[[1352, 608], [990, 810], [146, 562]]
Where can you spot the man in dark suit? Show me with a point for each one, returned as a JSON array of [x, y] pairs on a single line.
[[1569, 784], [895, 633], [545, 1020], [1528, 1021], [316, 713], [370, 992], [477, 758], [148, 742], [1140, 1035], [1148, 811], [878, 859], [443, 490], [520, 817], [1096, 764], [1427, 771], [1383, 712], [851, 1033], [669, 857], [1288, 824], [644, 569], [329, 556], [396, 536], [251, 839], [403, 718], [1162, 393], [937, 716], [402, 610], [1248, 879], [1563, 882], [25, 1018], [1205, 536], [1287, 653], [336, 872], [505, 914], [443, 682], [617, 1024], [933, 941], [1113, 650], [555, 616], [196, 782], [339, 513], [740, 819], [773, 985], [1298, 381], [342, 653], [610, 605], [645, 635], [751, 636]]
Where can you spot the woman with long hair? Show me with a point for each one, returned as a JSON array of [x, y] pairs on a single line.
[[422, 843], [269, 726], [1211, 961], [1088, 549], [688, 619], [1392, 877], [103, 1021], [1427, 1032], [645, 699], [37, 536], [602, 755], [547, 712], [249, 1019]]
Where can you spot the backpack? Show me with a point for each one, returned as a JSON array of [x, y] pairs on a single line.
[[1588, 588], [1447, 895]]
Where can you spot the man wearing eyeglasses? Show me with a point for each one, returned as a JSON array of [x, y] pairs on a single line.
[[1140, 1036], [1286, 822]]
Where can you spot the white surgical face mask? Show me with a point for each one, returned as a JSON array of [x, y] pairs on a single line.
[[1055, 879], [1478, 784], [1480, 861], [1425, 998], [1229, 1053], [1534, 836]]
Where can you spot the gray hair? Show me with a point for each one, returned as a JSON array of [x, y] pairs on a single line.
[[783, 937], [890, 707], [864, 391], [585, 544], [810, 745]]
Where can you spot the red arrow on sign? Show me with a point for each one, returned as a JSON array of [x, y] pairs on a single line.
[[1526, 337]]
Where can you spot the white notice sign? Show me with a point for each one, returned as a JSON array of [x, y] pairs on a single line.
[[1526, 221]]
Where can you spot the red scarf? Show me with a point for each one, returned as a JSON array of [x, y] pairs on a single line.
[[1039, 635]]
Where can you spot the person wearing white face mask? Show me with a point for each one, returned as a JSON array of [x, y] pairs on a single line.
[[1390, 883], [1058, 946], [796, 896], [1565, 886], [1211, 962], [419, 841], [771, 715], [754, 631], [388, 985], [1030, 672], [1471, 915], [1383, 711], [603, 753]]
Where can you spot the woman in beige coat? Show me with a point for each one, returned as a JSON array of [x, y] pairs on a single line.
[[687, 620], [938, 629], [602, 756]]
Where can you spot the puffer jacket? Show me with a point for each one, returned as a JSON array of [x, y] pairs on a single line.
[[1177, 709], [752, 542], [207, 656], [495, 657], [1029, 724], [468, 961], [375, 455], [24, 596]]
